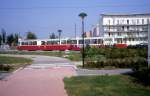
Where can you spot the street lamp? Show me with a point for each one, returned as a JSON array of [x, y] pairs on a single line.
[[82, 15], [59, 32], [148, 45]]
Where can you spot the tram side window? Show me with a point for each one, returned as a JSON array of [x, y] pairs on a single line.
[[43, 42], [34, 42], [49, 42], [25, 43], [22, 43], [80, 42], [87, 41], [73, 41], [94, 41], [100, 41], [30, 43], [63, 42]]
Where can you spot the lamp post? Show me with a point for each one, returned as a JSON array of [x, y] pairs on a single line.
[[83, 15], [148, 45], [59, 32]]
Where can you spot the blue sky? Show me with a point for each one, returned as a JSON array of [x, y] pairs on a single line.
[[46, 16]]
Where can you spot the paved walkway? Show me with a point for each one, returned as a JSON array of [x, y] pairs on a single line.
[[43, 78], [84, 72]]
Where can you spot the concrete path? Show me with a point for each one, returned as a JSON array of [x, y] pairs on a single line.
[[43, 78], [84, 72]]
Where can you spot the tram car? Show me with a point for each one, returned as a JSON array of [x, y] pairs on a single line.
[[63, 44]]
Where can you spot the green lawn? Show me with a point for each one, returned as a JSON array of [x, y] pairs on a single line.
[[48, 53], [71, 55], [115, 85], [13, 60], [74, 57], [8, 63]]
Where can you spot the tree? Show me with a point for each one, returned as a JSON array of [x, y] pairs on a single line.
[[31, 35], [16, 37], [0, 40], [53, 36], [3, 36], [10, 39]]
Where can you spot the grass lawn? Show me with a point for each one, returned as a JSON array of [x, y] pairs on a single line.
[[48, 53], [74, 57], [8, 63], [71, 55], [114, 85]]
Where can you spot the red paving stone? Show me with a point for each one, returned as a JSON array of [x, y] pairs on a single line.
[[36, 82]]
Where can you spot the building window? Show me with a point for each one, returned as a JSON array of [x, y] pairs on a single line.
[[137, 21], [117, 21], [127, 21], [142, 21], [109, 34], [119, 34], [128, 28], [122, 28], [147, 21], [108, 22]]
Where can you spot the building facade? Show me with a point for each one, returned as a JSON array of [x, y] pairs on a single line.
[[130, 29], [96, 30]]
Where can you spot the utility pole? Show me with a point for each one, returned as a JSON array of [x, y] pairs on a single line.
[[75, 30], [59, 33], [148, 45]]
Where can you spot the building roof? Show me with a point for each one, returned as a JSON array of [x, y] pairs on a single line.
[[116, 14]]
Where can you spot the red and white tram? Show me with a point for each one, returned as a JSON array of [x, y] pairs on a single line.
[[64, 43]]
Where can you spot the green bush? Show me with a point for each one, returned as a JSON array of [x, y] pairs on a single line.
[[117, 57], [142, 75], [5, 67]]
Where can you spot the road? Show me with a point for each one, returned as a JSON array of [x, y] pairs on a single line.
[[42, 78]]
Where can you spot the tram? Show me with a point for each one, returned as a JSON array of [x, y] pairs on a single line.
[[64, 43]]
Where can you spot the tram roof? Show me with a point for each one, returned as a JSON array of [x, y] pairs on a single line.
[[78, 38]]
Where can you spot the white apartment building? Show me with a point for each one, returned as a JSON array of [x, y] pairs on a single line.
[[130, 29], [96, 30]]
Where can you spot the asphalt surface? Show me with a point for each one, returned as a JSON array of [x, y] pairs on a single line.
[[84, 72]]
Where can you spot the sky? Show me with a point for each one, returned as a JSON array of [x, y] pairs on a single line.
[[44, 17]]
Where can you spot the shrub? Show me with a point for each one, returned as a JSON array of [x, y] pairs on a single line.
[[134, 63], [5, 67], [117, 57], [143, 75]]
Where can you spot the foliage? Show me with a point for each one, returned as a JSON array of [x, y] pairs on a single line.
[[12, 39], [142, 75], [0, 39], [114, 85], [3, 33], [74, 57], [53, 36], [31, 35], [117, 57]]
